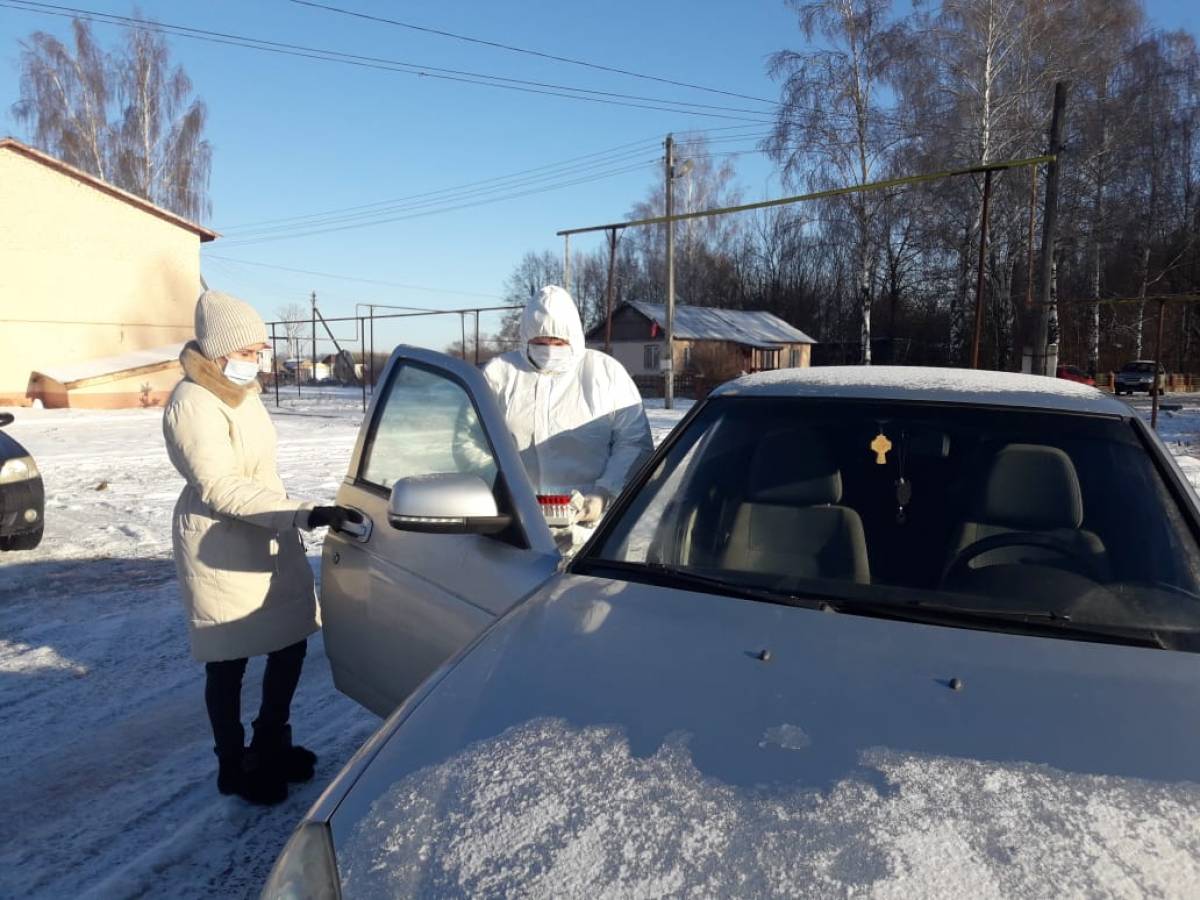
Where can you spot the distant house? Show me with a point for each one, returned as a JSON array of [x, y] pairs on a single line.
[[307, 372], [724, 341], [344, 367], [97, 287]]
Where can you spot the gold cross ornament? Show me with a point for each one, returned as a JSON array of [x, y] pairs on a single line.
[[880, 446]]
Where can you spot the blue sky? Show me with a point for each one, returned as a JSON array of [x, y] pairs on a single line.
[[296, 136]]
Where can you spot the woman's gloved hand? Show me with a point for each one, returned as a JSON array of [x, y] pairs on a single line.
[[333, 516]]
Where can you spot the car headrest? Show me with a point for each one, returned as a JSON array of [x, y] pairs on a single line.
[[794, 467], [1032, 488]]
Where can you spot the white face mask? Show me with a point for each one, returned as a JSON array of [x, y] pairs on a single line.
[[552, 358], [239, 371]]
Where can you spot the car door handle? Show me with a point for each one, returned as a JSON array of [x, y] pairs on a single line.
[[360, 530]]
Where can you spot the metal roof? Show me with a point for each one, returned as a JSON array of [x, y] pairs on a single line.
[[752, 327], [924, 384]]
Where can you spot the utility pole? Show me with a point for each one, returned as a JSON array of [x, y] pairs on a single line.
[[1041, 329], [608, 293], [314, 335], [977, 339], [1157, 387], [669, 364], [567, 263]]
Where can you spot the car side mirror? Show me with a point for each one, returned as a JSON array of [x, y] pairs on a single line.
[[445, 504], [5, 419]]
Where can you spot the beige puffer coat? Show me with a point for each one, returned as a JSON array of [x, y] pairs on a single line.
[[246, 584]]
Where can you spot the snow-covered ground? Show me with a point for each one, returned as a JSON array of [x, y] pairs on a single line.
[[1179, 429], [106, 766]]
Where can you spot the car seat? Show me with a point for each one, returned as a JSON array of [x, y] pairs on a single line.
[[1030, 488], [790, 523]]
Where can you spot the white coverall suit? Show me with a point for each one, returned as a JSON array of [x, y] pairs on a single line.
[[581, 428]]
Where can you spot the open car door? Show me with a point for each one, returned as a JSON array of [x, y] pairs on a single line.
[[452, 533]]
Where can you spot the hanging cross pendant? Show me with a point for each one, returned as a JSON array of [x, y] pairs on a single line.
[[880, 446]]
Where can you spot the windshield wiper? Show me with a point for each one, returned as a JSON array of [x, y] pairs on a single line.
[[674, 576], [1045, 619]]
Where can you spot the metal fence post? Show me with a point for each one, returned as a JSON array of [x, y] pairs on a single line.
[[274, 365], [362, 329]]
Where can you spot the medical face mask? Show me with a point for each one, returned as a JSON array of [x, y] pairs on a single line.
[[550, 358], [240, 372]]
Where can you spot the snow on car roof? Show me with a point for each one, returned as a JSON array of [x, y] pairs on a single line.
[[930, 385]]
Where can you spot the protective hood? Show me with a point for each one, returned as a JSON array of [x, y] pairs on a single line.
[[552, 313]]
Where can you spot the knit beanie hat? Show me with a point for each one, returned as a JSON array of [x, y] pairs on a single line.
[[224, 324]]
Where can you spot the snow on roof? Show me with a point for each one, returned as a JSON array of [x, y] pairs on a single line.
[[753, 327], [70, 373], [929, 384]]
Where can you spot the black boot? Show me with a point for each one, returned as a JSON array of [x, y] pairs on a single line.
[[229, 772], [299, 763], [262, 781]]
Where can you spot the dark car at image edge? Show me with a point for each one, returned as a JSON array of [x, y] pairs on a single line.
[[22, 494]]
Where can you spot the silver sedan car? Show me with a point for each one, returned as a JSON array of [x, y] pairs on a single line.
[[899, 631]]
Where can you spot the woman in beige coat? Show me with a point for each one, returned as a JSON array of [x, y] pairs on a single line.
[[246, 584]]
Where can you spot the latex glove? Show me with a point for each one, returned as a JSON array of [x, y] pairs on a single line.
[[588, 508]]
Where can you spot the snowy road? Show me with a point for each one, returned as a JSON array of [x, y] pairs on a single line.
[[106, 766]]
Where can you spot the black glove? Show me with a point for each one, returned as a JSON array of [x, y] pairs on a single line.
[[320, 516]]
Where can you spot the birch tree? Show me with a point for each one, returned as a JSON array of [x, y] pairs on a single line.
[[127, 117], [161, 151], [65, 98], [833, 128]]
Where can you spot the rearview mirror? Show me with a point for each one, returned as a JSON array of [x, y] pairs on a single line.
[[445, 504], [5, 419]]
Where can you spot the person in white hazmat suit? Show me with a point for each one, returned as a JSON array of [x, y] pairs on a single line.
[[575, 414]]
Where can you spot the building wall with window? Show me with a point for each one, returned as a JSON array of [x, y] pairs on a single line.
[[87, 271]]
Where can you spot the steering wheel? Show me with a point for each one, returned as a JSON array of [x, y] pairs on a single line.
[[959, 566]]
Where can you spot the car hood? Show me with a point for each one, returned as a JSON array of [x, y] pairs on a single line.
[[9, 447], [610, 738]]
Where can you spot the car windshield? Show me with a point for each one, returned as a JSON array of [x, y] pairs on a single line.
[[1015, 518], [1140, 368]]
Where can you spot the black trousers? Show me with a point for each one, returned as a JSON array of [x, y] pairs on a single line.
[[223, 697]]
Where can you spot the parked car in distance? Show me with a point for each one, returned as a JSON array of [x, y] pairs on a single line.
[[845, 626], [22, 495], [1138, 375], [1074, 373]]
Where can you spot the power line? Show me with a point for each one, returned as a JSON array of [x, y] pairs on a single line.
[[453, 208], [590, 95], [351, 278], [564, 59], [431, 207], [642, 145], [601, 170], [611, 98], [469, 190], [444, 196]]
